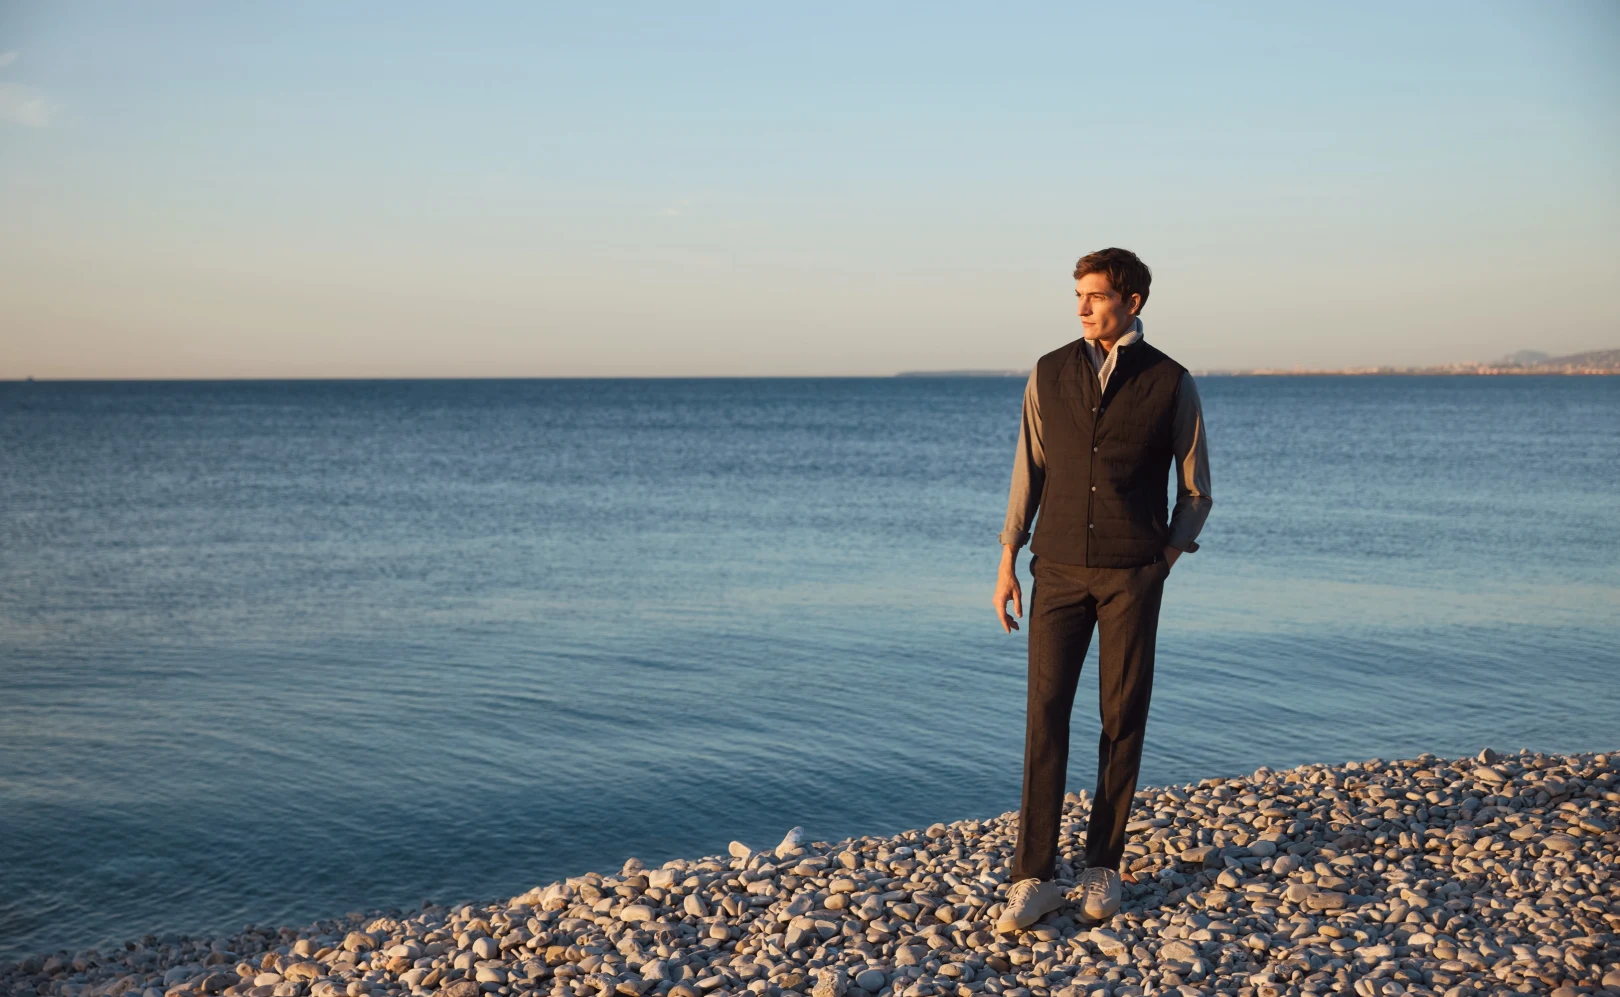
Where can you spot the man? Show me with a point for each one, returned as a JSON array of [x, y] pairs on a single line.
[[1105, 418]]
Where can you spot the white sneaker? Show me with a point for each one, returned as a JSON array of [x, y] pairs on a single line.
[[1028, 901], [1098, 892]]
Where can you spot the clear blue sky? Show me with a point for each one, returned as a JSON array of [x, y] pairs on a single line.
[[541, 189]]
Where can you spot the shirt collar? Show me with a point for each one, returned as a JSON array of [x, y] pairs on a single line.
[[1130, 337], [1133, 335]]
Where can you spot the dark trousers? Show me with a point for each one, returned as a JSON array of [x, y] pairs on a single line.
[[1065, 602]]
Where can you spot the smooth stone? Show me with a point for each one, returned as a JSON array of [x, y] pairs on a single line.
[[1325, 900], [1263, 849], [800, 905], [1108, 943], [1178, 950], [1559, 842], [1198, 855], [790, 842], [485, 948], [739, 850], [636, 913], [872, 980]]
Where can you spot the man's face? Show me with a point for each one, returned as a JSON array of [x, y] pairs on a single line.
[[1103, 313]]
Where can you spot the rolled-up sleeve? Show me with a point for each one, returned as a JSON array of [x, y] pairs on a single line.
[[1191, 449], [1028, 473]]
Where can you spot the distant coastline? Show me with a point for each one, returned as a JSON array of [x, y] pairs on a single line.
[[1592, 362], [963, 373]]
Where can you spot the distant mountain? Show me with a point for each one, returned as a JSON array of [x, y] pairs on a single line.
[[1523, 362], [1608, 359]]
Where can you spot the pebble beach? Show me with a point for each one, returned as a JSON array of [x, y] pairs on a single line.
[[1456, 876]]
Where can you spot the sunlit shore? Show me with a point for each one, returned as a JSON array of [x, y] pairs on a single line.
[[1419, 876]]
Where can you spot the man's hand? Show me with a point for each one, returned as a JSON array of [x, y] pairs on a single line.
[[1007, 588]]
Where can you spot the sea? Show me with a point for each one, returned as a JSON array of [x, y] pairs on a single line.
[[276, 651]]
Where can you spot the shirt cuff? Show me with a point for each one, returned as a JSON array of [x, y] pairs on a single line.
[[1013, 538], [1185, 546]]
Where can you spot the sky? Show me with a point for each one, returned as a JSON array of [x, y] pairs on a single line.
[[194, 190]]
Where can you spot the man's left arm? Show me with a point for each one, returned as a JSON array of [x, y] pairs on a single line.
[[1191, 452]]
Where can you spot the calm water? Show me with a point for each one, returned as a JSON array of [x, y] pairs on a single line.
[[275, 651]]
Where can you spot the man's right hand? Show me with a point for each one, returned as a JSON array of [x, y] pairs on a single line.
[[1007, 588]]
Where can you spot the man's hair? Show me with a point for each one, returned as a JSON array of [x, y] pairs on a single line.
[[1126, 274]]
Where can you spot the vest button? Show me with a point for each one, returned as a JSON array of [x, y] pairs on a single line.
[[1093, 487], [1091, 526], [1093, 449]]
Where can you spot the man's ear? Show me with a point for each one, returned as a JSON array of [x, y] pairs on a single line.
[[1136, 304]]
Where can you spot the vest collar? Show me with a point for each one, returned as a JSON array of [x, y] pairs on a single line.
[[1079, 367]]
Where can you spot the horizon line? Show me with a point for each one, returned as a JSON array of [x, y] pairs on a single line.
[[899, 375]]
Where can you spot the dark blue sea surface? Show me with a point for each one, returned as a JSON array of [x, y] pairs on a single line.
[[276, 651]]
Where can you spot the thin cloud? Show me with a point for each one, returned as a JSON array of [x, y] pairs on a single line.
[[679, 208], [24, 105], [21, 104]]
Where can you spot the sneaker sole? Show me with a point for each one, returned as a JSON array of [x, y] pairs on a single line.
[[1099, 918], [1008, 927]]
